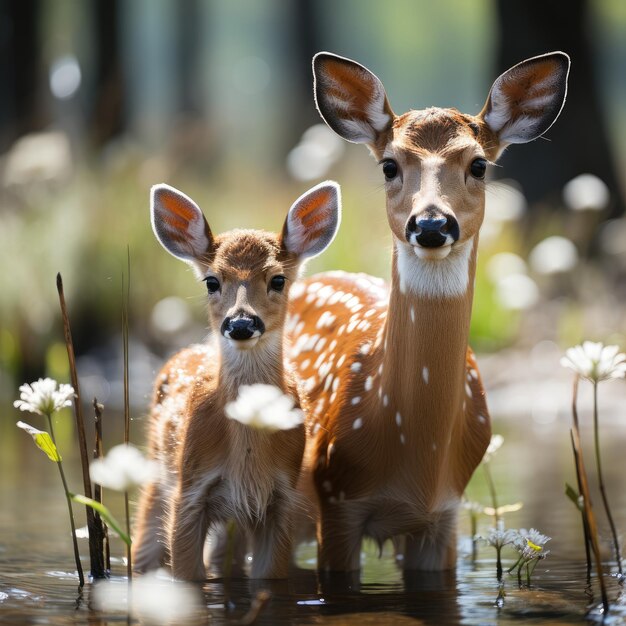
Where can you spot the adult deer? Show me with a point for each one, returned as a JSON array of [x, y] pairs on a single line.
[[215, 468], [400, 415]]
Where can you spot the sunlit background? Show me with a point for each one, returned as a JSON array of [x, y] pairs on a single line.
[[103, 98]]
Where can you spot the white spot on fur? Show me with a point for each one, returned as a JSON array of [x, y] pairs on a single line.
[[327, 486], [356, 367], [355, 400], [365, 348], [412, 315], [326, 319], [385, 400], [482, 419], [398, 419], [402, 438], [435, 278], [341, 360], [328, 382], [369, 383], [425, 374], [358, 422]]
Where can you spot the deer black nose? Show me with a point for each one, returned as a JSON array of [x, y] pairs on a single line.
[[242, 327], [431, 232]]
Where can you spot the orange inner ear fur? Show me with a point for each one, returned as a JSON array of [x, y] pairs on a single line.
[[177, 208], [312, 206], [354, 83]]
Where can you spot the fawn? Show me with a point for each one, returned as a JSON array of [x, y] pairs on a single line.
[[400, 410], [214, 468]]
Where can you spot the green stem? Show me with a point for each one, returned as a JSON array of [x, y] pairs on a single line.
[[79, 566], [474, 525], [605, 500], [510, 570], [129, 561], [492, 491]]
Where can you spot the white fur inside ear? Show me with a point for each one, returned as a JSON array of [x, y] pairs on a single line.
[[435, 278], [357, 130], [376, 110], [521, 130]]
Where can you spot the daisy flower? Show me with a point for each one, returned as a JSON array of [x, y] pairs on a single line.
[[264, 407]]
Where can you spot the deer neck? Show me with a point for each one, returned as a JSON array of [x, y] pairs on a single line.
[[262, 363], [426, 339]]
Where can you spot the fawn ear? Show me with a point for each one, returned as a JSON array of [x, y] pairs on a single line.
[[313, 221], [526, 100], [179, 225], [350, 98]]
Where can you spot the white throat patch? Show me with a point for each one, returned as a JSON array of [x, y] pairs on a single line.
[[434, 278]]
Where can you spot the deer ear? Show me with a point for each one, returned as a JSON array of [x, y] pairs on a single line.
[[526, 100], [350, 98], [179, 225], [313, 221]]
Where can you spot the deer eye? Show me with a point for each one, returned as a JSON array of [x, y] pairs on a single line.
[[277, 283], [212, 284], [478, 168], [390, 169]]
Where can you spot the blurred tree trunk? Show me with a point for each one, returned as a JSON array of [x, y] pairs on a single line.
[[305, 43], [107, 113], [578, 141], [20, 66], [189, 32]]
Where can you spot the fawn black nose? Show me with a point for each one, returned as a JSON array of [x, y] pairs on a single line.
[[431, 232], [242, 327]]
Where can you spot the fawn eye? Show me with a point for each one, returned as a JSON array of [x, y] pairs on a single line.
[[277, 283], [390, 169], [212, 284], [478, 168]]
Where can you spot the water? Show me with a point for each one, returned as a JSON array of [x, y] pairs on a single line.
[[38, 584]]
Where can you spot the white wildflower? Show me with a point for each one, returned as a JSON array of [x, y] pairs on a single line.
[[43, 397], [494, 445], [531, 544], [264, 407], [123, 468], [595, 361], [500, 537], [155, 599]]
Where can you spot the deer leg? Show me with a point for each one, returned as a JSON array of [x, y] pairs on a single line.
[[434, 549], [149, 546], [188, 526], [272, 541], [220, 549], [339, 540]]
